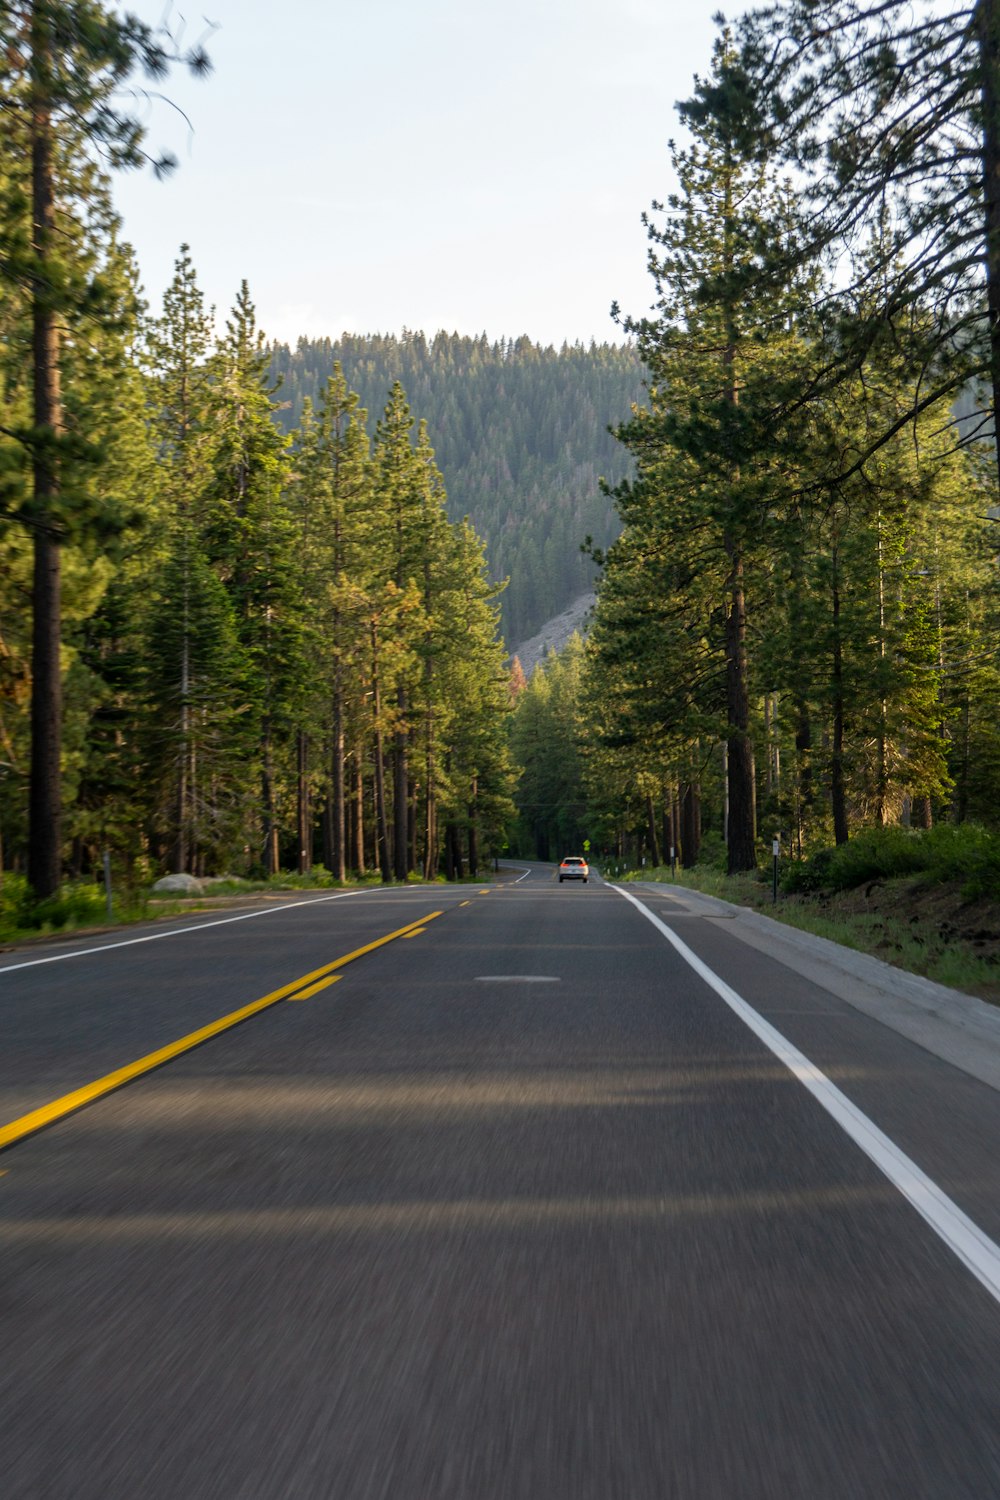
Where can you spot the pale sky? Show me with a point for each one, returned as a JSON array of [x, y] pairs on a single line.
[[369, 165]]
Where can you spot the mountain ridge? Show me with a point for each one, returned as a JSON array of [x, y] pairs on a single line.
[[521, 433]]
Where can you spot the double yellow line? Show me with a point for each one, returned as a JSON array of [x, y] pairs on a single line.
[[299, 989]]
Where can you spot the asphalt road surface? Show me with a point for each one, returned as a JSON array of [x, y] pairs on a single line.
[[525, 1202]]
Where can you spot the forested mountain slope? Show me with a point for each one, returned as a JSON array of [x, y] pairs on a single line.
[[520, 435]]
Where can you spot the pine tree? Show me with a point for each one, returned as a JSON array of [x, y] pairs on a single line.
[[64, 62], [182, 402], [250, 539], [399, 513], [106, 393], [195, 676], [330, 496], [891, 113], [446, 575], [475, 781], [709, 454]]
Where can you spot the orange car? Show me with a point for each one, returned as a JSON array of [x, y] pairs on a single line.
[[574, 867]]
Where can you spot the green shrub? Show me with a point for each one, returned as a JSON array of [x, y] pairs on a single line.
[[74, 906], [318, 878], [805, 875], [712, 853], [77, 905], [14, 896], [966, 853]]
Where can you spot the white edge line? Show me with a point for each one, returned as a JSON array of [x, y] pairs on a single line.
[[152, 937], [974, 1248]]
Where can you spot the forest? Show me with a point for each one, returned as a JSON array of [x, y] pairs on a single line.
[[521, 435], [796, 634], [224, 646], [251, 595]]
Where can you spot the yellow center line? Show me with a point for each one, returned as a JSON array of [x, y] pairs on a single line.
[[314, 989], [47, 1114], [349, 958]]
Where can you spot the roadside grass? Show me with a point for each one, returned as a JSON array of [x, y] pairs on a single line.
[[896, 940], [81, 905]]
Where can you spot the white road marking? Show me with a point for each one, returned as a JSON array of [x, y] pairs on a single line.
[[518, 979], [152, 937], [975, 1250]]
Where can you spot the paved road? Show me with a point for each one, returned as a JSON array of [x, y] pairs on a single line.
[[518, 1207]]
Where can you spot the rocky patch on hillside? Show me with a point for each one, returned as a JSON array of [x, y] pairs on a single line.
[[554, 633]]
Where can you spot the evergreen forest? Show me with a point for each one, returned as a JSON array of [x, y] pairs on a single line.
[[522, 437], [796, 633], [225, 646], [253, 599]]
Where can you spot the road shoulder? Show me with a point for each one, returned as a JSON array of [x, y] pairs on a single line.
[[961, 1029]]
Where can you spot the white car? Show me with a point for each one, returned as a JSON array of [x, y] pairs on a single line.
[[574, 867]]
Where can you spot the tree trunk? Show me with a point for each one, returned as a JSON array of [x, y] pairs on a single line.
[[303, 809], [690, 819], [431, 838], [270, 827], [882, 761], [962, 790], [739, 760], [473, 829], [416, 792], [44, 796], [921, 812], [986, 19], [654, 847], [45, 807], [803, 750], [675, 817], [430, 802], [740, 832], [179, 861], [400, 791], [359, 815], [338, 858], [456, 868], [196, 855], [837, 791], [805, 792], [381, 824], [326, 817]]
